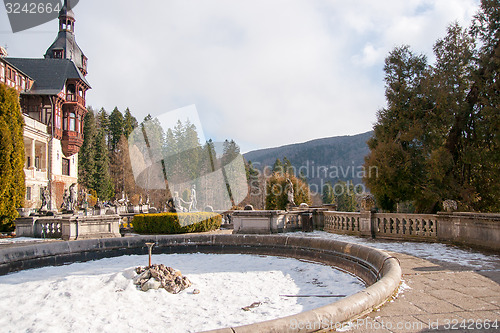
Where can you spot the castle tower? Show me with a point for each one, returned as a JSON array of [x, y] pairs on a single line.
[[65, 46]]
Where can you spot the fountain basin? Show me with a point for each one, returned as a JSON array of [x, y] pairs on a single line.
[[376, 268]]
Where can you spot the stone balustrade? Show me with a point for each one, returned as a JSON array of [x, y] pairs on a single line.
[[422, 226], [472, 229], [69, 227], [342, 222]]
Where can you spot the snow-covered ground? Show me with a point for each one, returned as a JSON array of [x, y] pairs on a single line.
[[429, 251], [10, 240], [99, 296]]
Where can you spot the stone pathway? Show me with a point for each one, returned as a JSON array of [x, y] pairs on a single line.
[[442, 297]]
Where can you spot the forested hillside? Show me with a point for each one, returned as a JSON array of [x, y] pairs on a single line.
[[321, 160]]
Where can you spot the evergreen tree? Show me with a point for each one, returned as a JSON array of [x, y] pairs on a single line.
[[278, 167], [116, 128], [438, 138], [12, 186], [103, 124], [103, 120], [328, 197], [484, 169], [345, 197], [121, 169], [129, 123], [102, 182], [86, 156], [397, 148], [230, 151], [287, 167]]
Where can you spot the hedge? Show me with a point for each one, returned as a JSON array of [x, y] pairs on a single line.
[[168, 223]]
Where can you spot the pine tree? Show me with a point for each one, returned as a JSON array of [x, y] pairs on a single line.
[[102, 122], [287, 167], [397, 148], [86, 156], [438, 138], [116, 128], [345, 196], [129, 123], [485, 170], [328, 197], [12, 186], [278, 166], [102, 182]]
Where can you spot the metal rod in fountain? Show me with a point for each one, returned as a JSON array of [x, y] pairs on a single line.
[[150, 248]]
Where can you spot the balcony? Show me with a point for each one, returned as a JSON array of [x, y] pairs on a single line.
[[73, 98], [36, 174], [71, 142]]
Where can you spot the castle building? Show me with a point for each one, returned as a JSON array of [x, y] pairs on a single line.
[[52, 97]]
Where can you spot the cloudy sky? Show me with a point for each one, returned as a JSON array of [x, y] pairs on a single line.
[[262, 72]]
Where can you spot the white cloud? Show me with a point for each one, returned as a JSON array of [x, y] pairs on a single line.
[[264, 73]]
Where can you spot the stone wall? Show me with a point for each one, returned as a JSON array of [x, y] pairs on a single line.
[[471, 229]]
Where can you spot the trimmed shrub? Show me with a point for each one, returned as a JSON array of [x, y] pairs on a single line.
[[169, 223]]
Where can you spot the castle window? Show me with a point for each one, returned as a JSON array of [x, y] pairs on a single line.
[[79, 125], [58, 54], [65, 166], [58, 119], [72, 122], [28, 193]]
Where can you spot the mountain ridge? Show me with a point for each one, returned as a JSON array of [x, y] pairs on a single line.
[[341, 156]]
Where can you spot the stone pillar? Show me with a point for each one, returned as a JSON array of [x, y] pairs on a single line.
[[365, 224], [33, 153], [46, 164], [319, 217]]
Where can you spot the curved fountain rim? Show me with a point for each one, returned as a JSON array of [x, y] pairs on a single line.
[[372, 261]]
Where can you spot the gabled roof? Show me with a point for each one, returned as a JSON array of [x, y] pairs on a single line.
[[50, 75]]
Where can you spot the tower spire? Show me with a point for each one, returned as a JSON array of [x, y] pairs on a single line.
[[65, 47], [66, 18]]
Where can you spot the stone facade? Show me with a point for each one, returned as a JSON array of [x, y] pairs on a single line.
[[52, 97]]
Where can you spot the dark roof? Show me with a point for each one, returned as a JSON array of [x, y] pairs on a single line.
[[65, 11], [17, 69], [66, 41], [50, 75]]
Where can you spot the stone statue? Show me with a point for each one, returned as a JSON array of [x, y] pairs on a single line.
[[66, 198], [124, 200], [177, 201], [45, 200], [73, 196], [290, 193], [450, 205], [192, 206], [367, 203], [84, 203]]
